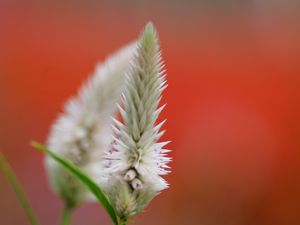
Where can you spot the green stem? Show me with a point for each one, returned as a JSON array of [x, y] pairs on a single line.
[[123, 222], [12, 179], [66, 216]]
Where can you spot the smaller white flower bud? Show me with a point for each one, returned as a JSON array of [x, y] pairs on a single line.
[[137, 184], [130, 175]]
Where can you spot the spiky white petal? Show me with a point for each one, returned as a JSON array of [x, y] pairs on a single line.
[[137, 160], [82, 131]]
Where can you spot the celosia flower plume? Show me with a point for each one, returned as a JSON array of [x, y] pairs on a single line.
[[137, 160], [83, 131]]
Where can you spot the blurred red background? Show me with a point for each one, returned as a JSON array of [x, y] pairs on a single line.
[[233, 102]]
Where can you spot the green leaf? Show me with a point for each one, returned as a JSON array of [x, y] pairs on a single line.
[[11, 177], [93, 187]]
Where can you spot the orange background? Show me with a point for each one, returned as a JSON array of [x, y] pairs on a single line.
[[233, 102]]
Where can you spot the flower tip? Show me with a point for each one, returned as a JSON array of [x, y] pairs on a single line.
[[150, 26], [149, 32]]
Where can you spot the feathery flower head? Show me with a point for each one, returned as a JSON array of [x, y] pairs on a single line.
[[137, 160], [83, 130]]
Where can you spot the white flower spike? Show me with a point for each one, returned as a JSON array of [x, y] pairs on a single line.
[[137, 160], [83, 130]]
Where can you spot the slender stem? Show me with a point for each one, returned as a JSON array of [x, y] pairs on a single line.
[[12, 179], [66, 215]]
